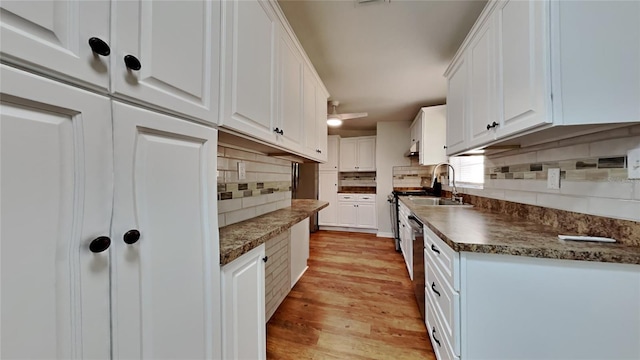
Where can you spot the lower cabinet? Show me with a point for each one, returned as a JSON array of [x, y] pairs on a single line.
[[357, 211], [491, 306], [298, 250], [243, 307]]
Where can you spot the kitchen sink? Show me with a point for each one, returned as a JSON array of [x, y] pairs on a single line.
[[434, 201]]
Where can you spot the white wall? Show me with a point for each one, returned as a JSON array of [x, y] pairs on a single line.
[[391, 143]]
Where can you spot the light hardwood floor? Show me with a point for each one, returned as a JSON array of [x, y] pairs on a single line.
[[354, 302]]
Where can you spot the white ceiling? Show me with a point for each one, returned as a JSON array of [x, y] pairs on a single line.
[[386, 57]]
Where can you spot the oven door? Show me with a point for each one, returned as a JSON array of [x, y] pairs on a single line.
[[418, 262]]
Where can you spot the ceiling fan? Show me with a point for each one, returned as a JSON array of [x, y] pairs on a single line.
[[334, 119]]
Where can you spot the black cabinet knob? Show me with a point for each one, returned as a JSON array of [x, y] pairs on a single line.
[[492, 125], [99, 244], [276, 130], [281, 132], [265, 259], [488, 127], [132, 62], [99, 47], [445, 147], [131, 237]]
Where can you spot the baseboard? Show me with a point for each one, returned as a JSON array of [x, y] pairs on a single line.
[[349, 229], [385, 235]]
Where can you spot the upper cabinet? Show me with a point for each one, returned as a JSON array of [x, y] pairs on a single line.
[[270, 90], [166, 54], [55, 37], [333, 150], [249, 40], [431, 125], [530, 65], [358, 154]]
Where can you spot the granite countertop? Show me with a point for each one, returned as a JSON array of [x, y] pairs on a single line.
[[484, 231], [238, 239]]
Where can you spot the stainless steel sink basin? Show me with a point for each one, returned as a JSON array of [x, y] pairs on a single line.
[[434, 201]]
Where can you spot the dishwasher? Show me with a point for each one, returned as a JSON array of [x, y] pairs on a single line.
[[418, 261]]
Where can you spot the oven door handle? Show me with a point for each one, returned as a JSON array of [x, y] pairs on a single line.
[[416, 221]]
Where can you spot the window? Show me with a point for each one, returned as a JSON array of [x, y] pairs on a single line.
[[469, 170]]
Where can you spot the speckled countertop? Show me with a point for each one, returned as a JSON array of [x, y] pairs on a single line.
[[481, 230], [240, 238]]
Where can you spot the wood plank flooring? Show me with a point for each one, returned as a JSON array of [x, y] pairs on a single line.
[[354, 302]]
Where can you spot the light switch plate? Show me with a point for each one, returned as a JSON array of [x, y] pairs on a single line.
[[553, 179], [242, 171], [633, 163]]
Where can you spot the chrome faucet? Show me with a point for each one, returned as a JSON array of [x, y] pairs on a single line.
[[454, 192]]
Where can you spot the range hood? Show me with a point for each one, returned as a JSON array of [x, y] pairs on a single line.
[[414, 150]]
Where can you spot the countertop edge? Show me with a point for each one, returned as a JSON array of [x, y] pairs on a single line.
[[281, 220], [605, 255]]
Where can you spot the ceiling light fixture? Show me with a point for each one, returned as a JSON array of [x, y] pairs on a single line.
[[334, 119]]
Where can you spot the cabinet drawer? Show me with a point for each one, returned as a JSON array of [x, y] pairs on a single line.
[[347, 197], [443, 258], [366, 197], [439, 342], [445, 302]]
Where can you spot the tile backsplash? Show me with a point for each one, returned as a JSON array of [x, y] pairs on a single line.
[[265, 188], [357, 179], [593, 172]]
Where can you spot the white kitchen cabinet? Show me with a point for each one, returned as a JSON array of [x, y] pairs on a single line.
[[481, 301], [157, 171], [321, 122], [551, 67], [56, 189], [328, 191], [249, 38], [406, 237], [165, 170], [431, 122], [358, 154], [482, 83], [333, 151], [243, 304], [357, 211], [310, 113], [522, 30], [52, 37], [298, 250], [290, 118], [457, 108], [177, 45], [415, 131]]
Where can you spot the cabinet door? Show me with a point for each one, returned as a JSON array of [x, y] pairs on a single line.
[[367, 154], [367, 217], [416, 129], [347, 214], [57, 176], [434, 129], [457, 97], [177, 44], [52, 37], [290, 112], [523, 64], [482, 78], [321, 124], [249, 37], [165, 286], [244, 307], [310, 114], [328, 191], [348, 154], [333, 146]]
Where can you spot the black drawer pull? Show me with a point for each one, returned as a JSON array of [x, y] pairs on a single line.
[[433, 334], [99, 47], [433, 288], [435, 249], [132, 62]]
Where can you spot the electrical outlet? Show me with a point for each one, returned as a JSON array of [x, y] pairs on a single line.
[[553, 178], [633, 164], [242, 171]]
